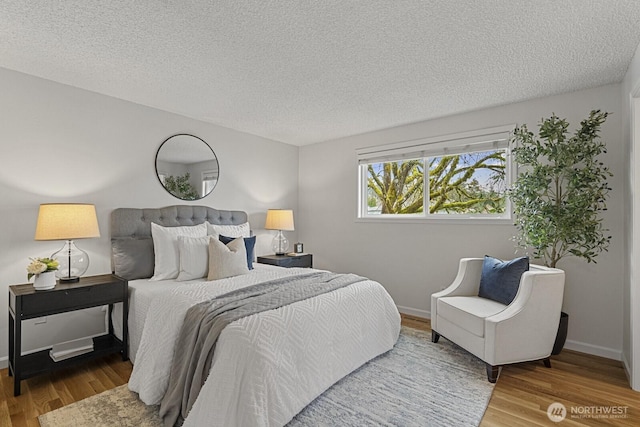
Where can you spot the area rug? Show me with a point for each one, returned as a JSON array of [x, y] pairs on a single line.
[[418, 383]]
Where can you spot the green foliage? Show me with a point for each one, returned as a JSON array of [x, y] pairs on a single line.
[[557, 200], [453, 188], [180, 187], [398, 187]]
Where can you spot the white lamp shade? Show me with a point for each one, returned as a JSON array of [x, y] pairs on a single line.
[[66, 221], [279, 219]]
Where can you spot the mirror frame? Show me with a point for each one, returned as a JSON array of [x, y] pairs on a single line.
[[161, 176]]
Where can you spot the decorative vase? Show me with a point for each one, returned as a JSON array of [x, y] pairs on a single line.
[[46, 280]]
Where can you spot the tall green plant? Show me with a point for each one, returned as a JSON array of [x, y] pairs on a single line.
[[558, 198]]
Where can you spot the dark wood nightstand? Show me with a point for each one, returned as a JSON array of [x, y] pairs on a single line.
[[288, 261], [27, 303]]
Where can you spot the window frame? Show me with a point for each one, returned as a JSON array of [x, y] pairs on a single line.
[[459, 143], [207, 181]]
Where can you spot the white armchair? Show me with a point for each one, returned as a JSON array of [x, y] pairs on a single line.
[[496, 333]]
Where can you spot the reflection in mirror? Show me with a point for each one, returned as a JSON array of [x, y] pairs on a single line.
[[187, 167]]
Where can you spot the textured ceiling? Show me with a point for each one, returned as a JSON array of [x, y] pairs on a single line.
[[309, 71]]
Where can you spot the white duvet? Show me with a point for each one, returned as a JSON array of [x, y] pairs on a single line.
[[268, 366]]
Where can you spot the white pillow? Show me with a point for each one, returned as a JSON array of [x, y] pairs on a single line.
[[234, 231], [165, 247], [194, 257], [227, 260]]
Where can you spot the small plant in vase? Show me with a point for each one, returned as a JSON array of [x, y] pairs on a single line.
[[44, 271], [558, 197]]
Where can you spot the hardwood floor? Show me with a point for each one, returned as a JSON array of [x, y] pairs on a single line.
[[587, 383], [45, 393], [520, 398]]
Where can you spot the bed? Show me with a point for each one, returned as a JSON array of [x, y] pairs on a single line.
[[266, 366]]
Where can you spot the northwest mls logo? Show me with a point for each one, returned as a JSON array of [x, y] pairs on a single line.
[[556, 412]]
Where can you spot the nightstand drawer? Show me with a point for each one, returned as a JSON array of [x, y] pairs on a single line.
[[297, 261], [288, 261], [44, 303]]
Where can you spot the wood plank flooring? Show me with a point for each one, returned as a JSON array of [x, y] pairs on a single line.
[[521, 396], [45, 393], [524, 391]]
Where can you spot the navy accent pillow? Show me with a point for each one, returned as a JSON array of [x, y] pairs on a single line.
[[249, 244], [500, 279]]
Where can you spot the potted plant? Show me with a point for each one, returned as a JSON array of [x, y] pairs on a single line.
[[559, 195], [43, 269]]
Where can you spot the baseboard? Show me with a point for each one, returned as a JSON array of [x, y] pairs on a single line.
[[414, 312], [595, 350], [4, 362]]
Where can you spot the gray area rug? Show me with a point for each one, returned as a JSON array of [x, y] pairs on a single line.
[[418, 383]]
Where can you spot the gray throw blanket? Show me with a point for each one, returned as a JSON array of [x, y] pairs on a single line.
[[204, 322]]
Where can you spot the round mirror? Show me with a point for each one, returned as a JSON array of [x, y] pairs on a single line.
[[187, 167]]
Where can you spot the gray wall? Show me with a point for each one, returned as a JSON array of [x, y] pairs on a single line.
[[413, 260], [62, 144]]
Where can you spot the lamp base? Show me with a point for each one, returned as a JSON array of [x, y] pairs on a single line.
[[74, 262], [280, 244]]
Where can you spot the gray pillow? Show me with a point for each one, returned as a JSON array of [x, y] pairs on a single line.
[[500, 280], [133, 258]]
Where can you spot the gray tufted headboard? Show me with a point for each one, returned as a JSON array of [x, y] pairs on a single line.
[[132, 254]]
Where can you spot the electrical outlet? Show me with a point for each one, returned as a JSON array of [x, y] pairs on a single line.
[[40, 320]]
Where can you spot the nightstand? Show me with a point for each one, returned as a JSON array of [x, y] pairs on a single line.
[[27, 303], [288, 261]]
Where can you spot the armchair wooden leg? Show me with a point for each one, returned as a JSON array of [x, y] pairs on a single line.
[[492, 373], [435, 336], [547, 362]]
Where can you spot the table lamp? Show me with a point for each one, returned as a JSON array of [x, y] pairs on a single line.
[[281, 220], [68, 221]]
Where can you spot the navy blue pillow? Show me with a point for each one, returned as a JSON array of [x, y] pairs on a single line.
[[500, 279], [249, 244]]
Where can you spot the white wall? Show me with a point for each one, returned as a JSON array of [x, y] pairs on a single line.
[[413, 260], [631, 137], [62, 144]]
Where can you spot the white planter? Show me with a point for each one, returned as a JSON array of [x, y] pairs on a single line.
[[46, 280]]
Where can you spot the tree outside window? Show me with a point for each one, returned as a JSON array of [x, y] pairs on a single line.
[[472, 183]]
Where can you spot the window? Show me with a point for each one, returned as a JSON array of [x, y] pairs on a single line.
[[456, 176], [209, 181]]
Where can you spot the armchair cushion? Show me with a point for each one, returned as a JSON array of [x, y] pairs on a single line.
[[499, 280], [469, 313]]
